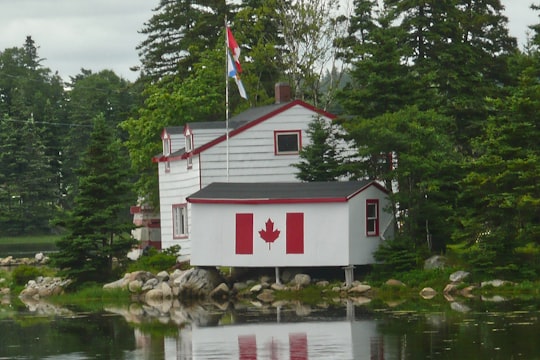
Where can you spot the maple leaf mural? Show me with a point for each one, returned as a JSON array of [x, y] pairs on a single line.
[[269, 235]]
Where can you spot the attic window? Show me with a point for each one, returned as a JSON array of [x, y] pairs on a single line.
[[372, 217], [287, 142], [189, 143], [166, 145]]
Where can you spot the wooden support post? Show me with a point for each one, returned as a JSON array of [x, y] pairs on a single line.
[[349, 275]]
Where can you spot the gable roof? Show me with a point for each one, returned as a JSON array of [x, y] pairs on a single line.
[[280, 193], [239, 123]]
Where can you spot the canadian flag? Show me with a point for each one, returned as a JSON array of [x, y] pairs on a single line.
[[245, 234]]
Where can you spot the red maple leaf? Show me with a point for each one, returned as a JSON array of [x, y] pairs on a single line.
[[269, 234]]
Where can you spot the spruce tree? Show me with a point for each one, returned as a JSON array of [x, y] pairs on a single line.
[[98, 225]]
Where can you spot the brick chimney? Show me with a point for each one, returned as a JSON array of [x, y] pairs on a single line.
[[283, 93]]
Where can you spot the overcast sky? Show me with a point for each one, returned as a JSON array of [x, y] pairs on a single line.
[[103, 34]]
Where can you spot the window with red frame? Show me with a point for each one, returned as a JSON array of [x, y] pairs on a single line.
[[372, 217]]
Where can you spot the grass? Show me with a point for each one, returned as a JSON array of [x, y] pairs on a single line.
[[31, 239]]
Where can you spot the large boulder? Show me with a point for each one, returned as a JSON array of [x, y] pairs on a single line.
[[198, 282]]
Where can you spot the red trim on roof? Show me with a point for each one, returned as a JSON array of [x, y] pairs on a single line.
[[267, 201], [261, 119], [162, 158]]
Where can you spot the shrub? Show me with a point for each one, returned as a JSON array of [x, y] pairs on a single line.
[[24, 273], [155, 261]]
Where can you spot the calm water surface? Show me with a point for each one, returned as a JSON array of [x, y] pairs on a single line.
[[460, 330]]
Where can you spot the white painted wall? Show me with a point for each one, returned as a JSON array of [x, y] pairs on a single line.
[[362, 246], [174, 187], [325, 235]]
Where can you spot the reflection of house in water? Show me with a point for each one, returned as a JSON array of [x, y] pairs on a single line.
[[296, 341]]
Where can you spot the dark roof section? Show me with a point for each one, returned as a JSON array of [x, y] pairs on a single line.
[[173, 130], [280, 192]]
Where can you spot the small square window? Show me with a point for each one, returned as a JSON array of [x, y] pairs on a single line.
[[287, 142]]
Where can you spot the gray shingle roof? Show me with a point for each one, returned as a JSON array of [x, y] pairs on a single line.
[[280, 191]]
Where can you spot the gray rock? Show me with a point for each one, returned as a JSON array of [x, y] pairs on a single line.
[[394, 282], [494, 283], [220, 292], [163, 276], [459, 276], [255, 288], [266, 296], [150, 284], [361, 288], [435, 262], [197, 282], [459, 307], [428, 293], [302, 280], [135, 286]]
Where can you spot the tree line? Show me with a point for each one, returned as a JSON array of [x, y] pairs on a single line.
[[438, 98]]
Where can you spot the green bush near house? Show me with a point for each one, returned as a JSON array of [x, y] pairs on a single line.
[[155, 261]]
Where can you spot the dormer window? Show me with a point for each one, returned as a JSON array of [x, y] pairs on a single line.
[[166, 145], [189, 142]]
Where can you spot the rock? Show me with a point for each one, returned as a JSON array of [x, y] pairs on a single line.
[[302, 280], [220, 292], [450, 288], [198, 282], [255, 289], [435, 262], [459, 307], [5, 291], [153, 295], [278, 287], [495, 283], [39, 257], [239, 286], [467, 291], [322, 283], [361, 288], [459, 276], [496, 298], [165, 289], [6, 261], [394, 282], [266, 296], [135, 286], [150, 284], [163, 276], [428, 293], [118, 284]]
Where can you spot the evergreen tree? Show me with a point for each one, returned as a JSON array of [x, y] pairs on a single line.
[[176, 35], [501, 189], [321, 159], [99, 224]]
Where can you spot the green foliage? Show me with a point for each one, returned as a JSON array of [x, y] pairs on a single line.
[[321, 159], [99, 224], [394, 257], [24, 273], [155, 261]]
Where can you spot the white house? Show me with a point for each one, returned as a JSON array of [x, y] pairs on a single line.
[[289, 224], [261, 146]]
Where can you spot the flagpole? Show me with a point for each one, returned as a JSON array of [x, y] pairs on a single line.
[[227, 98]]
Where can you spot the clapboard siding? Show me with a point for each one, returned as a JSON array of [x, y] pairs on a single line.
[[249, 155]]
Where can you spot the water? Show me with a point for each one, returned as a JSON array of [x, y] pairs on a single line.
[[468, 330]]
